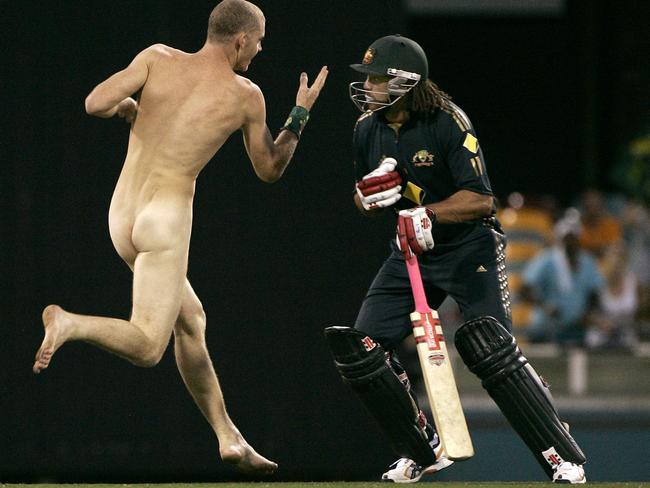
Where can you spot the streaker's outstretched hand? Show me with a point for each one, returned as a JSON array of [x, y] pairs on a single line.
[[307, 95]]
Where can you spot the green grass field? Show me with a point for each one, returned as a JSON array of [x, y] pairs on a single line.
[[339, 484]]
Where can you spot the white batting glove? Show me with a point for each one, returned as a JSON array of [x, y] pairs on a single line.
[[381, 187], [414, 231]]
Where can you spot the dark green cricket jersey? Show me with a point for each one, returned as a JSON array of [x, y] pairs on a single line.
[[437, 156]]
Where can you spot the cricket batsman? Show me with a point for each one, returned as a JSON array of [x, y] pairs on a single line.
[[417, 153]]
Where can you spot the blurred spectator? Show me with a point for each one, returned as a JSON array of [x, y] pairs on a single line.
[[613, 326], [528, 223], [563, 282], [636, 232], [600, 229]]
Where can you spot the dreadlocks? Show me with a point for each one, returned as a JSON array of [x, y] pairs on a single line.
[[425, 98]]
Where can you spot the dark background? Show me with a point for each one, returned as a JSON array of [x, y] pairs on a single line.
[[552, 96]]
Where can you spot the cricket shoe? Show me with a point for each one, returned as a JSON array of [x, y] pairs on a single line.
[[569, 473], [405, 470]]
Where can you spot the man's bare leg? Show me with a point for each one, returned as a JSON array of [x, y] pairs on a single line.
[[144, 338], [198, 373], [118, 336]]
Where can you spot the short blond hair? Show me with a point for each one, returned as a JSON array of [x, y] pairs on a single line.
[[231, 17]]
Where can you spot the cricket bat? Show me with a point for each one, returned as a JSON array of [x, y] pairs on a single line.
[[436, 370]]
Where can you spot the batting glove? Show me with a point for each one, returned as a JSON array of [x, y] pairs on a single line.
[[414, 228], [381, 187]]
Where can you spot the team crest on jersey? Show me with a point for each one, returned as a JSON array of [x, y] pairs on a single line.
[[422, 158], [369, 57]]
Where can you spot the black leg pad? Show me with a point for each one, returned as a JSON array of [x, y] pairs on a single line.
[[491, 352], [363, 365]]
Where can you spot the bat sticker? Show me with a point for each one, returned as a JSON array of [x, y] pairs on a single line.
[[436, 359]]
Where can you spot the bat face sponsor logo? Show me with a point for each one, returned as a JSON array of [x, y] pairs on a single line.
[[436, 359], [368, 343], [433, 338], [429, 335]]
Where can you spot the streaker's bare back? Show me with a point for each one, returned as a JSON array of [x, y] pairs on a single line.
[[187, 110]]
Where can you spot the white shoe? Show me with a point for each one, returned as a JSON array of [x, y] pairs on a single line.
[[569, 473], [406, 470]]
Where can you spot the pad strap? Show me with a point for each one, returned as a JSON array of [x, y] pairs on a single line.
[[297, 120], [491, 352], [363, 365]]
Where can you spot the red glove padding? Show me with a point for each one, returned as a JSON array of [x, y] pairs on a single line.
[[377, 184], [414, 231]]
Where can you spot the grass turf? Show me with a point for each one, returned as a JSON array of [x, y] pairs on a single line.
[[339, 484]]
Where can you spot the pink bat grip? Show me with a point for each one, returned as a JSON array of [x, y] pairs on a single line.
[[415, 277]]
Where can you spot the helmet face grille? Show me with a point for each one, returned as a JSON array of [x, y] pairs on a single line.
[[363, 99], [403, 74], [400, 86]]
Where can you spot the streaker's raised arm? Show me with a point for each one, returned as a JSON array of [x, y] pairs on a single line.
[[270, 158]]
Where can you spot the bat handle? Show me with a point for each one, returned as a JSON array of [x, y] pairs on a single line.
[[417, 287]]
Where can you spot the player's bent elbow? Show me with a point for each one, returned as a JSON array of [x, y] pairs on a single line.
[[270, 177], [91, 105], [270, 172], [94, 108]]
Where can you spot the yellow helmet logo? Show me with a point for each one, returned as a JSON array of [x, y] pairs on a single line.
[[369, 56]]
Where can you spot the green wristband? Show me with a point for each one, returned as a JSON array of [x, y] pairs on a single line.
[[297, 120]]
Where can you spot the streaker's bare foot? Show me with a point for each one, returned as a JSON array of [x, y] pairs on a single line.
[[55, 324], [244, 458]]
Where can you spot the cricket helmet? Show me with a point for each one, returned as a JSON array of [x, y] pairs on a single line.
[[395, 56]]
